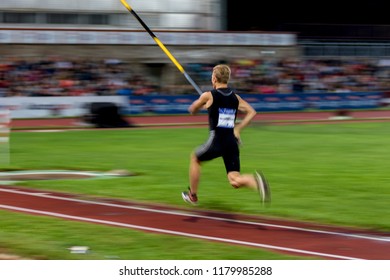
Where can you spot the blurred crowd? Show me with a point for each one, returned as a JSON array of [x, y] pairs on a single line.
[[60, 77], [305, 75]]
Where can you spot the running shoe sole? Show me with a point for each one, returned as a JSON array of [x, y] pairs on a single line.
[[263, 187], [187, 198]]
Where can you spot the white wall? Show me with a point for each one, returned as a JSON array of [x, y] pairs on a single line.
[[160, 14]]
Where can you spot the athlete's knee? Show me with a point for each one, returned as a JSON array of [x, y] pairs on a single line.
[[194, 158]]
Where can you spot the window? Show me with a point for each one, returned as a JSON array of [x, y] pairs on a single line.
[[62, 18], [97, 19], [55, 18], [19, 17]]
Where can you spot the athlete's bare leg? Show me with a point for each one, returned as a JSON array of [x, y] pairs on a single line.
[[255, 182], [238, 180], [194, 173]]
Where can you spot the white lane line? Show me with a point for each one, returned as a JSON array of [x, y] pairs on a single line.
[[178, 233], [53, 172], [178, 213]]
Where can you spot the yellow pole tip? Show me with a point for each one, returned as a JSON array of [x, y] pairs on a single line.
[[126, 5]]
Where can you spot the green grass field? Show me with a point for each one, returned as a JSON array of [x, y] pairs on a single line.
[[325, 173]]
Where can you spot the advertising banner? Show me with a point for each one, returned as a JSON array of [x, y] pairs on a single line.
[[46, 107], [162, 104]]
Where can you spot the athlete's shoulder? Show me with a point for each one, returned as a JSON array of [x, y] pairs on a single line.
[[206, 94], [237, 95]]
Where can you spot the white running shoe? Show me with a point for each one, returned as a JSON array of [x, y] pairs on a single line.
[[263, 187]]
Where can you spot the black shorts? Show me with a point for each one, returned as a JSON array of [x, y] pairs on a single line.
[[220, 145]]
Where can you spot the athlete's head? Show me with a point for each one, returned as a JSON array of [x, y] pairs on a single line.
[[221, 74]]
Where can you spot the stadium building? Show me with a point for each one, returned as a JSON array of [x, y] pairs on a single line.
[[159, 14], [193, 31]]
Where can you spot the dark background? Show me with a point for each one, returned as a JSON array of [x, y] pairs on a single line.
[[311, 18]]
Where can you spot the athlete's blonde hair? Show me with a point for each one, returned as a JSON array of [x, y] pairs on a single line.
[[222, 73]]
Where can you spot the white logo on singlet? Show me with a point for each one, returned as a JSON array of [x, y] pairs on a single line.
[[226, 117]]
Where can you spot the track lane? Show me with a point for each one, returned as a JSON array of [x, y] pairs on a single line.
[[277, 235]]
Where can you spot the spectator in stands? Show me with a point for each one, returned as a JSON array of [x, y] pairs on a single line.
[[54, 76]]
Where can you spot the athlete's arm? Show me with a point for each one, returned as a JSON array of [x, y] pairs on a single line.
[[250, 113], [203, 101]]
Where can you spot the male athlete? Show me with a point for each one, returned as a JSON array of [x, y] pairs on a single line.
[[223, 105]]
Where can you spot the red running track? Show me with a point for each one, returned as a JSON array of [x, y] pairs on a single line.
[[291, 117], [283, 236], [288, 237]]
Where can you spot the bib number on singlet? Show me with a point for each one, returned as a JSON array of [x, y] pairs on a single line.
[[226, 117]]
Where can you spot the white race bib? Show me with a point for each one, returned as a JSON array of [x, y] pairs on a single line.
[[226, 117]]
